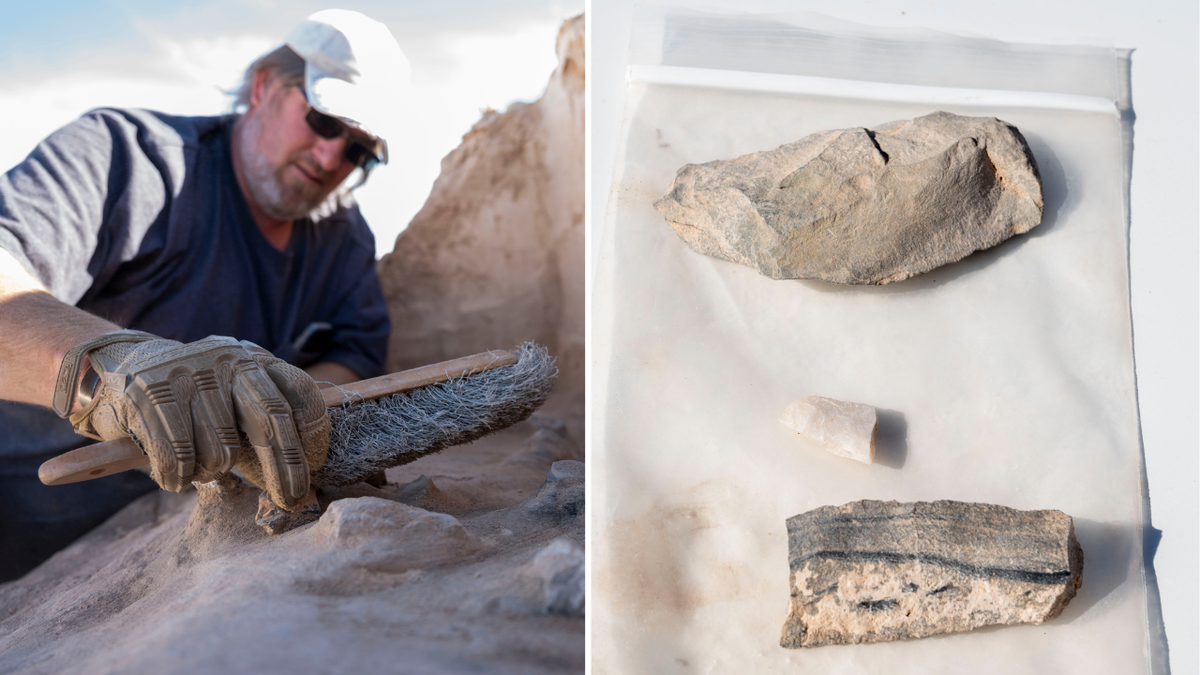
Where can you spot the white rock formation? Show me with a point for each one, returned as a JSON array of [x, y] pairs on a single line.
[[843, 428]]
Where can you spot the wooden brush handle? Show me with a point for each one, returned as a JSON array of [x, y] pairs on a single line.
[[122, 454], [407, 380]]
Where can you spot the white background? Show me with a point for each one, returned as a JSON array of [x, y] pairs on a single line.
[[1163, 233]]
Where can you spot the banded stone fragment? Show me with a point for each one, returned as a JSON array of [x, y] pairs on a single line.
[[873, 571], [862, 206], [843, 428]]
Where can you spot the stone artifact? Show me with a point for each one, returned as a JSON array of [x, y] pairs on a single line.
[[862, 206], [843, 428], [874, 571]]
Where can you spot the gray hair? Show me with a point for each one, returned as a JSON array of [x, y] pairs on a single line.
[[282, 62], [288, 67]]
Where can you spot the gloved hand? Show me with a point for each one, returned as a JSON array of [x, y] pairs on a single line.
[[199, 409]]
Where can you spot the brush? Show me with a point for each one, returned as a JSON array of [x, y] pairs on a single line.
[[385, 421]]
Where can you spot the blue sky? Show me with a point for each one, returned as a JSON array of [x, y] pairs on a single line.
[[60, 58], [40, 37]]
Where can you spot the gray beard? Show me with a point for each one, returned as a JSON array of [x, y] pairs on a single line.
[[269, 192]]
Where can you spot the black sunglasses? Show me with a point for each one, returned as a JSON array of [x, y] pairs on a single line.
[[356, 152]]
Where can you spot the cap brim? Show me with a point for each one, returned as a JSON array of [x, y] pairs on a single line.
[[346, 101]]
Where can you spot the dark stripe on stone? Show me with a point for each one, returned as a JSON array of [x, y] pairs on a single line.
[[878, 605], [966, 568]]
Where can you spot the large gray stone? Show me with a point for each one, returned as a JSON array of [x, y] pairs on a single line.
[[562, 495], [861, 206], [874, 571]]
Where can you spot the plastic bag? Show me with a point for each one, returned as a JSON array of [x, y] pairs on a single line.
[[1004, 378]]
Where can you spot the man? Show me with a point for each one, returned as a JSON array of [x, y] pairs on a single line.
[[179, 228]]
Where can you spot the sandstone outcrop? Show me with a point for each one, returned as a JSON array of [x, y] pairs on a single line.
[[496, 255]]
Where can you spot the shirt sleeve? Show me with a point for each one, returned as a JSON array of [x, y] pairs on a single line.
[[360, 319], [79, 203]]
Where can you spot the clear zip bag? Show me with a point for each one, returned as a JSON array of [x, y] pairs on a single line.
[[1004, 378]]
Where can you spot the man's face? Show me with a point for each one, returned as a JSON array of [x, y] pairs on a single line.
[[288, 169]]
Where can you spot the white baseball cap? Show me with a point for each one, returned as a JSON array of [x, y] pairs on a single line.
[[354, 70]]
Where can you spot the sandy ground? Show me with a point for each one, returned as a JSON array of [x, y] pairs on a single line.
[[466, 561]]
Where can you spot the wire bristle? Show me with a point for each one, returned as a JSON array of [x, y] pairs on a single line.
[[369, 437]]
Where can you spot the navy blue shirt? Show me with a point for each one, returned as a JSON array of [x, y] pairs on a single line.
[[137, 217]]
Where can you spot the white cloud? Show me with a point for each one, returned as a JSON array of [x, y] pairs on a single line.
[[189, 80], [32, 112], [216, 61], [476, 72]]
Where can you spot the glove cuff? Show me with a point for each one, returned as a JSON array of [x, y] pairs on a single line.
[[68, 370]]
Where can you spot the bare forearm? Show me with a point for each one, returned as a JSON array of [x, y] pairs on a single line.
[[36, 330], [328, 371]]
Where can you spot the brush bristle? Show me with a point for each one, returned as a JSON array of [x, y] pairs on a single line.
[[368, 437]]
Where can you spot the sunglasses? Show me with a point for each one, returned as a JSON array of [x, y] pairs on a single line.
[[357, 152]]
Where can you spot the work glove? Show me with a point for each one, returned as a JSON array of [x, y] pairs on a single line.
[[200, 409]]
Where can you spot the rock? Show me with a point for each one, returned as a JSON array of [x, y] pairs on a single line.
[[276, 520], [874, 571], [423, 493], [861, 206], [566, 470], [384, 536], [552, 583], [372, 517], [495, 257], [559, 566], [562, 495], [843, 428]]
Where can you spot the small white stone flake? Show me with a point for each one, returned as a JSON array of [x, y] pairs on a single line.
[[843, 428]]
